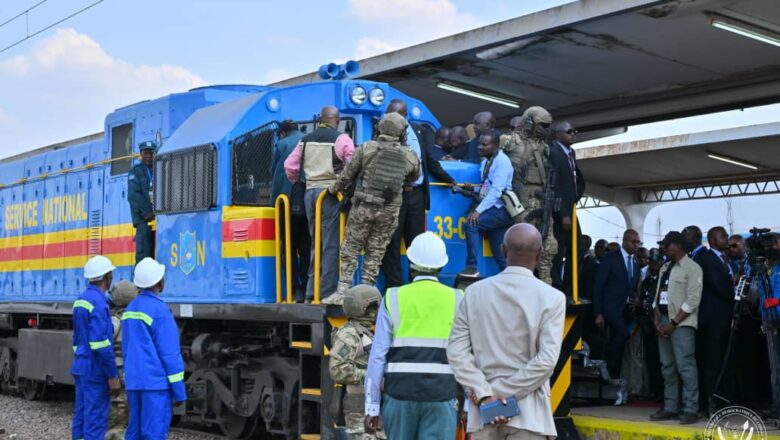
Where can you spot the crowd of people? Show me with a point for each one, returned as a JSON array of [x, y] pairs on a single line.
[[528, 174], [662, 318]]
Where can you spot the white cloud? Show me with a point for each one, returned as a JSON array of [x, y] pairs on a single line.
[[403, 23], [64, 86]]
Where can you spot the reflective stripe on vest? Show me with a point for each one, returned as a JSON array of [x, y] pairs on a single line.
[[422, 314]]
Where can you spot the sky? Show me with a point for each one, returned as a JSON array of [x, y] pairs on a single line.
[[61, 84]]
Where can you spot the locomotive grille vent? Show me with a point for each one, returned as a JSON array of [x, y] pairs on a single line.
[[252, 166], [186, 180]]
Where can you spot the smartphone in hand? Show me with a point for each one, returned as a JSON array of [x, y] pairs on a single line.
[[489, 411]]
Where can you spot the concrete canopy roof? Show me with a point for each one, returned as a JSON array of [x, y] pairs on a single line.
[[598, 63], [678, 167]]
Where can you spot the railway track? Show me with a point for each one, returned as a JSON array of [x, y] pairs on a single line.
[[202, 434]]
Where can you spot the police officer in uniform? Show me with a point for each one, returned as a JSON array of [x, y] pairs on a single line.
[[530, 157], [154, 368], [121, 294], [139, 195], [380, 167], [94, 368], [349, 355]]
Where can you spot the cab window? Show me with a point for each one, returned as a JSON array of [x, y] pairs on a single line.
[[251, 165], [121, 148]]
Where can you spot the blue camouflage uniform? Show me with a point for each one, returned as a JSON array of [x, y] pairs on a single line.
[[93, 364], [154, 369]]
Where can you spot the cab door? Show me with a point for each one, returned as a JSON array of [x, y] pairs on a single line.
[[248, 229]]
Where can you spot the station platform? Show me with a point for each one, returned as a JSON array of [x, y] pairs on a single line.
[[632, 423]]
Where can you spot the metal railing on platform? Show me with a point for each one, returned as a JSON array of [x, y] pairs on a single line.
[[283, 202], [318, 240]]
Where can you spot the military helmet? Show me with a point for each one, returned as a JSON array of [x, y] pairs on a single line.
[[538, 115], [123, 292], [359, 298], [392, 124]]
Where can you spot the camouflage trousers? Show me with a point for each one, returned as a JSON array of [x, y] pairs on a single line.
[[369, 229], [532, 203], [354, 424], [118, 417]]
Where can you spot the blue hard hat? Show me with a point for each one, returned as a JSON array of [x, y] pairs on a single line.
[[147, 145]]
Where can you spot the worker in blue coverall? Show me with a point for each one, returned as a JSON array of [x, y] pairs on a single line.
[[154, 368], [94, 367]]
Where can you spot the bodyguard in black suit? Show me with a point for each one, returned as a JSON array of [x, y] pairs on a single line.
[[715, 311], [416, 199], [570, 187], [617, 279]]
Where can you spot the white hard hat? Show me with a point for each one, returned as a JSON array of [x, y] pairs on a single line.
[[97, 266], [148, 273], [428, 251]]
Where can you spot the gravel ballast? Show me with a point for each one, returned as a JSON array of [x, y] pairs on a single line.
[[35, 420]]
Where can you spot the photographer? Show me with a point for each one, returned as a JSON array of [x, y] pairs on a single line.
[[771, 247]]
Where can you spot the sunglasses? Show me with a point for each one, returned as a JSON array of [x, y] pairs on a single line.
[[571, 131], [733, 246]]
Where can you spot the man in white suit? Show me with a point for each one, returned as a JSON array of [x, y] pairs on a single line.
[[506, 340]]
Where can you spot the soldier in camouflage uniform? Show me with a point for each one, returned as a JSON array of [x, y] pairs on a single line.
[[351, 345], [380, 168], [530, 156], [121, 294]]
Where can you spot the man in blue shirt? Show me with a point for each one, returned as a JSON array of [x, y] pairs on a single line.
[[300, 240], [490, 215], [94, 367], [154, 368]]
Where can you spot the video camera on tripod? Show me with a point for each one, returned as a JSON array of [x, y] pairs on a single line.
[[754, 290]]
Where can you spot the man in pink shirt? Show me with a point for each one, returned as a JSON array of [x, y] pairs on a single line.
[[321, 156]]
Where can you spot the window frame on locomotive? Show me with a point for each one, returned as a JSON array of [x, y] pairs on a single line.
[[347, 125]]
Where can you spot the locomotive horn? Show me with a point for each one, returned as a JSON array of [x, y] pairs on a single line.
[[329, 71], [349, 69]]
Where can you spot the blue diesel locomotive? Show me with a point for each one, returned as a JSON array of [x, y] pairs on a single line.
[[256, 365]]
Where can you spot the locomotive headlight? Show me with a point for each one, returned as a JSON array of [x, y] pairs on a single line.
[[272, 104], [377, 96], [358, 95], [416, 112]]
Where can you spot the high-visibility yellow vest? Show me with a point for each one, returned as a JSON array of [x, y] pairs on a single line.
[[422, 314]]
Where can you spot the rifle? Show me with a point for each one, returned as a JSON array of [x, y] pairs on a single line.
[[551, 203]]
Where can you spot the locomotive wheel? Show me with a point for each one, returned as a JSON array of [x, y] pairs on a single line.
[[31, 389], [236, 427]]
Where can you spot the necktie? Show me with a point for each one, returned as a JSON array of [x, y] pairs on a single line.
[[630, 267], [572, 166]]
